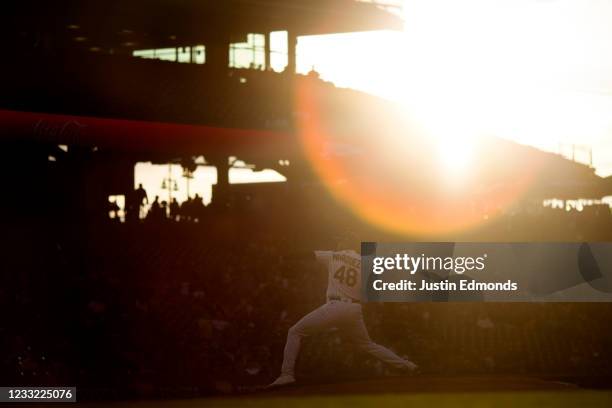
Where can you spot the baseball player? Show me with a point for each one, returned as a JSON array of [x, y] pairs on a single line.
[[342, 311]]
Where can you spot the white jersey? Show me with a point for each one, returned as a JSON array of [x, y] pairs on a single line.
[[344, 273]]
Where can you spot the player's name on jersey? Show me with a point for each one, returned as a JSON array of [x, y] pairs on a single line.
[[444, 285], [347, 259]]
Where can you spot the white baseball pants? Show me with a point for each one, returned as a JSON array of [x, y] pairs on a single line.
[[345, 316]]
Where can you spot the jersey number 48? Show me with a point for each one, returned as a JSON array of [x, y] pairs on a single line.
[[346, 276]]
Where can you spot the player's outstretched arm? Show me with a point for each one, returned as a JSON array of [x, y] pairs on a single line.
[[323, 256]]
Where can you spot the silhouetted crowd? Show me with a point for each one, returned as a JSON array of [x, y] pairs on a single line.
[[138, 207], [192, 209]]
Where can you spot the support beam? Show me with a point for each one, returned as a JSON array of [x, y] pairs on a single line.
[[267, 52], [221, 189], [217, 52], [291, 52]]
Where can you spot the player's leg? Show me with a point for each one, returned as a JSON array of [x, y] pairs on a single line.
[[356, 332], [313, 322]]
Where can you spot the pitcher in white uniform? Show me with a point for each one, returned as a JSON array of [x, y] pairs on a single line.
[[342, 311]]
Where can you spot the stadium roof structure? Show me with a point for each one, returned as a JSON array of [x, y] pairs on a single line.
[[125, 24]]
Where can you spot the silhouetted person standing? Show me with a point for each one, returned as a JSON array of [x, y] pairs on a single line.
[[155, 212], [141, 198], [174, 209], [198, 208]]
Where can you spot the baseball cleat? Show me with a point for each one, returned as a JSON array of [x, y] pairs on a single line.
[[282, 381]]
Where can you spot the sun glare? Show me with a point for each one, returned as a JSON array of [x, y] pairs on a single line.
[[534, 72], [455, 155]]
